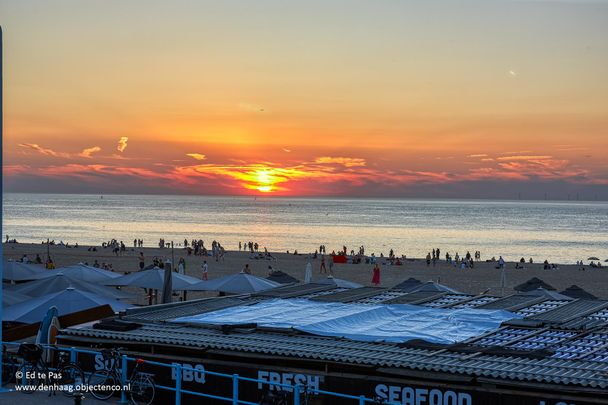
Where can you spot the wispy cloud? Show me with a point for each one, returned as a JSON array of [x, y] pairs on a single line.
[[122, 143], [531, 167], [16, 169], [257, 176], [344, 161], [197, 156], [572, 149], [492, 173], [478, 155], [524, 157], [516, 152], [86, 153], [317, 176], [43, 150], [251, 107], [91, 172]]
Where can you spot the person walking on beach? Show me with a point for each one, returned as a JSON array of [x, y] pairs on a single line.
[[181, 266], [308, 272], [322, 269], [428, 259], [141, 261], [501, 262], [205, 270], [376, 275]]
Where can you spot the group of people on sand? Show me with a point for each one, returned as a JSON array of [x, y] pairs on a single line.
[[329, 269], [49, 264], [179, 268], [103, 265], [118, 247], [197, 247], [466, 262], [251, 247]]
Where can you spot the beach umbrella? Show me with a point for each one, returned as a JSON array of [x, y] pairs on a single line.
[[338, 282], [10, 297], [17, 271], [59, 282], [431, 286], [575, 291], [533, 284], [282, 278], [240, 283], [154, 279], [67, 301], [82, 272], [408, 284], [550, 295], [308, 273]]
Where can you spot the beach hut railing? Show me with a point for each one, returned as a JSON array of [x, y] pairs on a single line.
[[179, 369]]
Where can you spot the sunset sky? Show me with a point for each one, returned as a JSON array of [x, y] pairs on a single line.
[[476, 99]]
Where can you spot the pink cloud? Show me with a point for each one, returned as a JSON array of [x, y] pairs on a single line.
[[326, 175]]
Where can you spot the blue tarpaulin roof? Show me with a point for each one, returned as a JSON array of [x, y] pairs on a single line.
[[390, 323]]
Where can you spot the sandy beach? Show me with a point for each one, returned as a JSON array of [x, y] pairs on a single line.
[[484, 276]]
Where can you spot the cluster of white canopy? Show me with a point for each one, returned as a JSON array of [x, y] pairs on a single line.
[[33, 289]]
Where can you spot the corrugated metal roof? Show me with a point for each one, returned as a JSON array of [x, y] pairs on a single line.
[[570, 311], [448, 300], [558, 343], [512, 302], [176, 310], [475, 302], [589, 373], [296, 290], [416, 297], [381, 297], [350, 295], [540, 307]]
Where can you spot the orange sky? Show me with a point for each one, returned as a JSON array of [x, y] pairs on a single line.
[[475, 99]]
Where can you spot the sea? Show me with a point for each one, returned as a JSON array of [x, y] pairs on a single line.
[[559, 231]]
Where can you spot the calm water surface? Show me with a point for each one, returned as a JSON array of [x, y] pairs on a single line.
[[560, 231]]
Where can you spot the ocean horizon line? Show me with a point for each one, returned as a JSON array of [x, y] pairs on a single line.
[[320, 197]]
